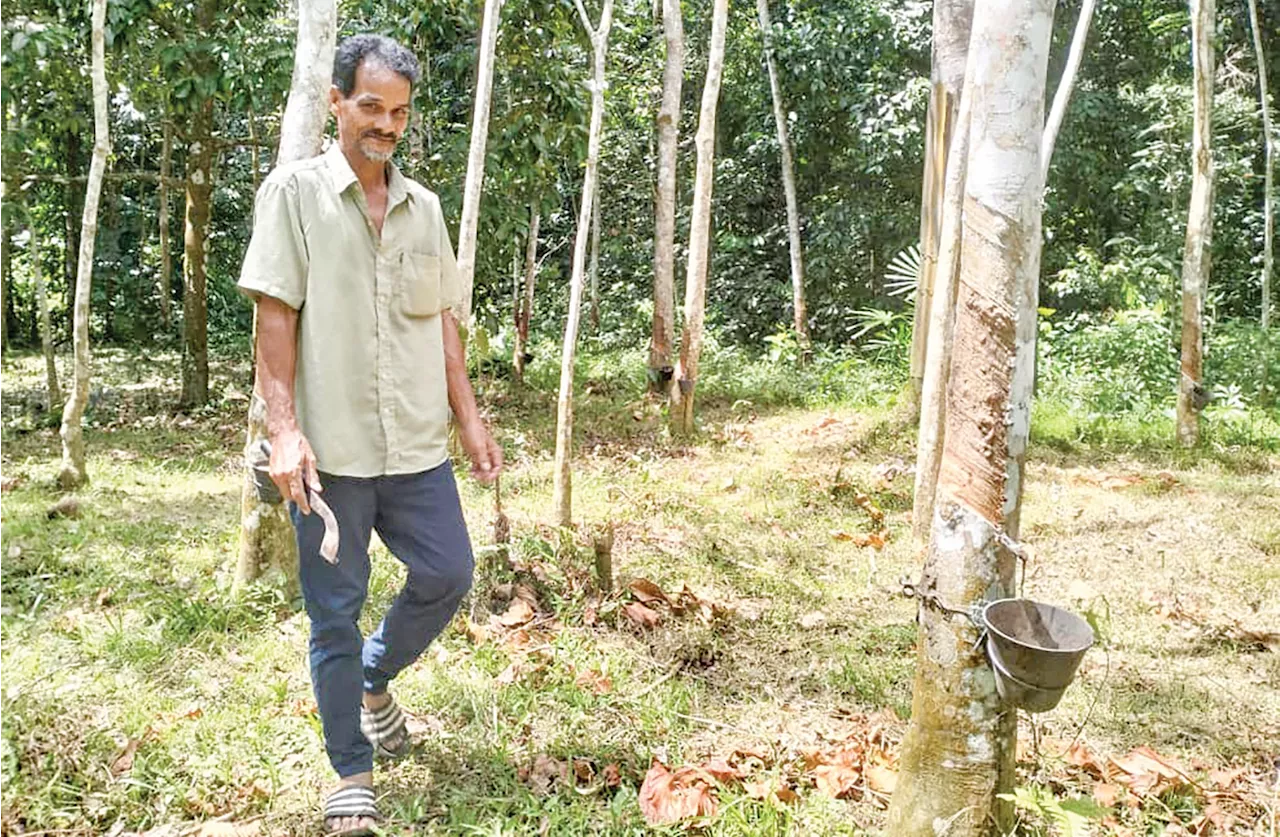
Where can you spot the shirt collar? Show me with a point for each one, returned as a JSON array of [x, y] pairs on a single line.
[[343, 176]]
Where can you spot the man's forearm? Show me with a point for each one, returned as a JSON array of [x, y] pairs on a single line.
[[277, 362], [462, 399]]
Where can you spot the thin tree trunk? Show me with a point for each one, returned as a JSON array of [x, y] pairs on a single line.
[[594, 271], [195, 302], [952, 21], [801, 317], [1063, 94], [1268, 202], [941, 326], [7, 192], [74, 209], [475, 157], [46, 325], [267, 546], [563, 498], [1192, 395], [525, 312], [166, 257], [73, 473], [695, 297], [664, 205], [958, 755]]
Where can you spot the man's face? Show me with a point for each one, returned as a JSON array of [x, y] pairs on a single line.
[[372, 119]]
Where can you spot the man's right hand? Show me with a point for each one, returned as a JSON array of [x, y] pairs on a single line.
[[292, 462]]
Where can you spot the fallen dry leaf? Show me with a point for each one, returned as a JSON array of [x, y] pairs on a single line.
[[594, 681], [641, 616], [668, 796], [519, 612], [875, 540], [647, 592], [612, 775], [882, 778], [123, 762], [1147, 773], [836, 780], [545, 773], [1106, 794], [230, 829]]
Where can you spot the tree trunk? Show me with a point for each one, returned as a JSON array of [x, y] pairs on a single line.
[[195, 303], [1192, 395], [166, 258], [73, 473], [563, 499], [594, 271], [695, 296], [801, 317], [267, 546], [1063, 94], [958, 755], [664, 205], [46, 325], [941, 325], [952, 21], [475, 157], [525, 312], [1268, 201], [7, 192]]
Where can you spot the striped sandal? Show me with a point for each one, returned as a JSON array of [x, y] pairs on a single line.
[[385, 730], [352, 802]]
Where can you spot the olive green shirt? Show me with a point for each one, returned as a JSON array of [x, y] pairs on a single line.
[[370, 391]]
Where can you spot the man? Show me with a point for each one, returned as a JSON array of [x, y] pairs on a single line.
[[359, 362]]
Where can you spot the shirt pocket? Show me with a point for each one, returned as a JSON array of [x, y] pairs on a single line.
[[420, 284]]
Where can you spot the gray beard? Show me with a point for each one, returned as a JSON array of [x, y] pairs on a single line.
[[367, 149]]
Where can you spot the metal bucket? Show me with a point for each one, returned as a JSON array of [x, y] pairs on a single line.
[[257, 458], [1035, 650]]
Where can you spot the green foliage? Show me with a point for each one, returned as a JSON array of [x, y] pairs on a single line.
[[1065, 818]]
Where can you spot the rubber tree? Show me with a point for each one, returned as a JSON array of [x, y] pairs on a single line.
[[599, 36], [952, 20], [267, 546], [663, 338], [695, 297], [800, 317], [958, 754], [1268, 195], [1066, 84], [73, 472], [1192, 395], [474, 183]]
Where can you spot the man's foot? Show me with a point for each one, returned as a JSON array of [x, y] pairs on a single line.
[[350, 809], [382, 723]]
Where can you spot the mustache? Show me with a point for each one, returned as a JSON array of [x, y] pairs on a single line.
[[380, 135]]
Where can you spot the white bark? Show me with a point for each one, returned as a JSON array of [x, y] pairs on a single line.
[[563, 497], [475, 157], [958, 756], [800, 316], [1195, 254], [695, 297], [664, 315], [73, 472], [1269, 149], [267, 546], [952, 21], [1063, 94]]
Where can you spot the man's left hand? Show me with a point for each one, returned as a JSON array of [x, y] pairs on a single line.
[[485, 454]]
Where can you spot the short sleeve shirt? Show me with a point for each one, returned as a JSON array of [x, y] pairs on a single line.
[[370, 390]]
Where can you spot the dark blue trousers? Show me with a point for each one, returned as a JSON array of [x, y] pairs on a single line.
[[419, 518]]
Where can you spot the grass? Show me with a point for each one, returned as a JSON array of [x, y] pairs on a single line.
[[119, 625]]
